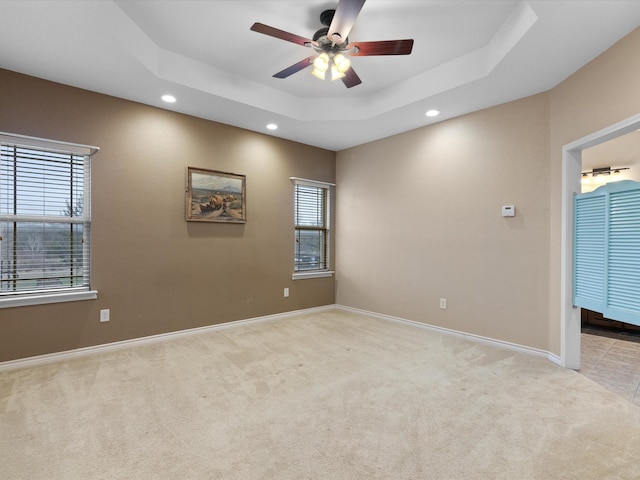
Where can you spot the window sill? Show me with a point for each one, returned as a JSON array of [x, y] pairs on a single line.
[[314, 274], [45, 298]]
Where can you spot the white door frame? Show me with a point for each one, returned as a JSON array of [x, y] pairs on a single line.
[[571, 167]]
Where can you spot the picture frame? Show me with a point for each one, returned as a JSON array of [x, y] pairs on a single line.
[[214, 196]]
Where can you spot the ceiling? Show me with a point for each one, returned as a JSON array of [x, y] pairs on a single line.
[[467, 55]]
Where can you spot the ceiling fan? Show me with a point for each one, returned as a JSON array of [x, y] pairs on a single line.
[[332, 47]]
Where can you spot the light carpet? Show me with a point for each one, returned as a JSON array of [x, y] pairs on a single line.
[[329, 395]]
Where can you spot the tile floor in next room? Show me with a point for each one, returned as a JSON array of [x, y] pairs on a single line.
[[613, 361]]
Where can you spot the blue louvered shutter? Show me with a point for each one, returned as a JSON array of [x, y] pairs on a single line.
[[623, 286], [589, 251], [607, 251]]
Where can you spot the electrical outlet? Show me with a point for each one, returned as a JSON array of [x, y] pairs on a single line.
[[443, 303], [286, 292], [104, 315]]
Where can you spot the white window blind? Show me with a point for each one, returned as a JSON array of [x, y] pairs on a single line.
[[45, 216], [312, 226]]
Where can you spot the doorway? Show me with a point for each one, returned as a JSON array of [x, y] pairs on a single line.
[[570, 320]]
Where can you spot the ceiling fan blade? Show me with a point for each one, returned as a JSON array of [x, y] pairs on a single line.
[[281, 34], [351, 78], [346, 13], [296, 67], [385, 47]]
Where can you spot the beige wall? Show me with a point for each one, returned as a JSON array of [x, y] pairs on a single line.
[[153, 270], [419, 219], [419, 213]]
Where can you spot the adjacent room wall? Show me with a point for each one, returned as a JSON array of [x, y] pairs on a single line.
[[153, 270], [419, 219], [623, 151]]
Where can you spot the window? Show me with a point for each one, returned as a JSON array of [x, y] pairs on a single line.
[[312, 229], [45, 219]]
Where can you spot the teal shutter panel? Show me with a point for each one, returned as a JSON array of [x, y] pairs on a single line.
[[607, 251], [623, 286], [589, 251]]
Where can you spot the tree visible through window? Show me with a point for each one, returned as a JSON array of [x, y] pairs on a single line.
[[312, 245], [45, 218]]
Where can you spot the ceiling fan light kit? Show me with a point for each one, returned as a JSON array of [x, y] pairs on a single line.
[[331, 43], [338, 63]]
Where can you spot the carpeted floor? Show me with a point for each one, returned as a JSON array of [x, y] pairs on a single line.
[[331, 395]]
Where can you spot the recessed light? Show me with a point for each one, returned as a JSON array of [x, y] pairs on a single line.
[[432, 113], [272, 126], [169, 98]]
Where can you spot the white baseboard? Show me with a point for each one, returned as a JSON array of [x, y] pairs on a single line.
[[164, 337], [469, 336], [136, 342], [552, 357]]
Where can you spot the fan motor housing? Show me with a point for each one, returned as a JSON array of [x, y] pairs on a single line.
[[320, 36], [320, 33]]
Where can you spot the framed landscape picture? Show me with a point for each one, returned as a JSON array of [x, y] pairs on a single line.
[[214, 196]]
